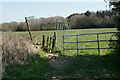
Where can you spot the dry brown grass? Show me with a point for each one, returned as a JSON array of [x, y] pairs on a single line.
[[17, 49]]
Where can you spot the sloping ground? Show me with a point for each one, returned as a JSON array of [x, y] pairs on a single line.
[[57, 66], [85, 67]]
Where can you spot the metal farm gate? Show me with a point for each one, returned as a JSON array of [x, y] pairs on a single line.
[[77, 41], [63, 28]]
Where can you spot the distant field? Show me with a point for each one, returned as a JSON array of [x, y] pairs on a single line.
[[73, 31], [39, 34]]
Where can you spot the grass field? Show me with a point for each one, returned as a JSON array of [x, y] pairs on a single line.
[[39, 34], [71, 65]]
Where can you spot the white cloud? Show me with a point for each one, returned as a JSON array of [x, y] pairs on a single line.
[[52, 0]]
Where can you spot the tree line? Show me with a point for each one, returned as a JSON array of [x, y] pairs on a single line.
[[99, 19], [116, 44]]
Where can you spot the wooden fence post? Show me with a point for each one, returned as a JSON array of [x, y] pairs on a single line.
[[55, 38], [43, 42], [63, 44], [28, 28], [53, 43], [47, 48], [77, 44], [98, 44], [50, 44]]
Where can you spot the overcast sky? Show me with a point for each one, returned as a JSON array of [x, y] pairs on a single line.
[[16, 10]]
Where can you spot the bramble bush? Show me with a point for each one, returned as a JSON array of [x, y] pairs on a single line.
[[17, 50]]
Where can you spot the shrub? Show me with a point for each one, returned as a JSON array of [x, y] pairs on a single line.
[[17, 50]]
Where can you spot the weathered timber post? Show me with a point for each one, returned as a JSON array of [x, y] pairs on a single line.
[[55, 38], [53, 43], [47, 44], [98, 44], [43, 42], [63, 44], [28, 28], [50, 44]]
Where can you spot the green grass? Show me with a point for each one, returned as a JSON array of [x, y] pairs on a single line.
[[85, 65], [36, 69], [92, 67], [73, 31], [39, 34]]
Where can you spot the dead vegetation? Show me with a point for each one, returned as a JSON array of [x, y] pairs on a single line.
[[17, 49]]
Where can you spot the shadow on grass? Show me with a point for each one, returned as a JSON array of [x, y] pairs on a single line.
[[37, 67], [90, 66], [77, 66]]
